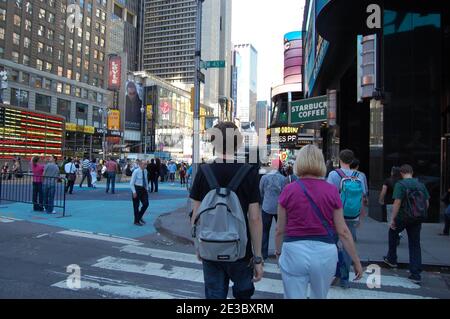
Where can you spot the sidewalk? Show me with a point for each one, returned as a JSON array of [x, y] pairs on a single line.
[[371, 241]]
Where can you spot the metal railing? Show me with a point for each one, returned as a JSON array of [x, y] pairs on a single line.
[[19, 188]]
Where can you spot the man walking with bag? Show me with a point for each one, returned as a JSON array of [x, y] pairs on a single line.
[[411, 202], [226, 219]]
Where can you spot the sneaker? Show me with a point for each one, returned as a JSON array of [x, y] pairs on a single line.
[[52, 213], [415, 279], [390, 264]]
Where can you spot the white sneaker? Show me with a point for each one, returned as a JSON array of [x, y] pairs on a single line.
[[53, 213]]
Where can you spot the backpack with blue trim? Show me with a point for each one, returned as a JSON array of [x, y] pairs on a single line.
[[351, 191]]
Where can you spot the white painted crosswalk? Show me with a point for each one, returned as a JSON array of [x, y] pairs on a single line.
[[4, 219], [181, 273]]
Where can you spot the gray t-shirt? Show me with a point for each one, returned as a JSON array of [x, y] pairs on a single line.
[[51, 173], [271, 186]]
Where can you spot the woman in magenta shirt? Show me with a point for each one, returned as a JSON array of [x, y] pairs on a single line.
[[310, 219], [38, 194]]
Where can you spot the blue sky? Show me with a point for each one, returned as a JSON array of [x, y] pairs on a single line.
[[263, 23]]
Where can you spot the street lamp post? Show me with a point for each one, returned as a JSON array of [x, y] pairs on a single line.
[[104, 113], [198, 48], [143, 130]]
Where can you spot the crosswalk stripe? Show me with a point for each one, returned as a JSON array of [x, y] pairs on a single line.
[[113, 239], [391, 281], [5, 219], [121, 289], [267, 285]]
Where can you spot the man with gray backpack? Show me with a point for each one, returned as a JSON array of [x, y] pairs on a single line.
[[411, 202], [351, 188], [226, 220]]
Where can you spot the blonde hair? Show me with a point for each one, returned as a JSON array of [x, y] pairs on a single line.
[[310, 161]]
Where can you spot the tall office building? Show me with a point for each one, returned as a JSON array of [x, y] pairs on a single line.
[[246, 82], [56, 63], [169, 45], [124, 31], [261, 115]]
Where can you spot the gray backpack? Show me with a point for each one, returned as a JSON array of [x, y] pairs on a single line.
[[220, 230]]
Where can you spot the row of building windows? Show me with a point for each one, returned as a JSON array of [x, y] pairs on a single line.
[[52, 85]]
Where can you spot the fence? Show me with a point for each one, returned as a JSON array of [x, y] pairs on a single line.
[[19, 188]]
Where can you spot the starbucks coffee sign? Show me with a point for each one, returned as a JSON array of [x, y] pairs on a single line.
[[309, 110]]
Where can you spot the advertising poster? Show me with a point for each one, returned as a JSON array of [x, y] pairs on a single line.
[[133, 104]]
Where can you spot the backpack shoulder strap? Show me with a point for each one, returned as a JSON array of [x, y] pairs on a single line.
[[340, 173], [239, 177], [209, 174]]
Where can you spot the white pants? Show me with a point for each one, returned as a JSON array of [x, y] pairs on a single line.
[[94, 178], [307, 262]]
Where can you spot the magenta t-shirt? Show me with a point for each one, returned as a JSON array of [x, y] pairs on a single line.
[[38, 170], [301, 218]]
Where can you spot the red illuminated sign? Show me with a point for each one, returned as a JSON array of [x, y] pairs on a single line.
[[115, 72]]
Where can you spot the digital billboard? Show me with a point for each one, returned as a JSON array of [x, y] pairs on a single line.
[[26, 134], [293, 58]]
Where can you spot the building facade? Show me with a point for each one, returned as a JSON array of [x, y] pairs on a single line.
[[388, 87], [261, 115], [247, 73], [56, 63]]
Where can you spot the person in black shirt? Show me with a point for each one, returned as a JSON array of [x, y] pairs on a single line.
[[386, 200], [243, 272], [153, 175]]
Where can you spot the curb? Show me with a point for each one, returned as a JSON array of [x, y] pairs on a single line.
[[169, 233]]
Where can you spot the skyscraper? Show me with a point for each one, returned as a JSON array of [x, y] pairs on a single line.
[[246, 83], [261, 115], [124, 31], [169, 45]]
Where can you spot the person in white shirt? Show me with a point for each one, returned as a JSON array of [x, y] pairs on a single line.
[[139, 186], [71, 174]]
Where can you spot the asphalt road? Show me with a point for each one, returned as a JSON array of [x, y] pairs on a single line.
[[34, 260]]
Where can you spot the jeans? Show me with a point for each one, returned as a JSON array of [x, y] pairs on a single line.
[[111, 179], [38, 197], [267, 224], [345, 261], [415, 253], [49, 197], [86, 173], [217, 276], [306, 262]]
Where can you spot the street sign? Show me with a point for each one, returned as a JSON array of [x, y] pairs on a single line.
[[212, 64], [309, 110], [201, 76]]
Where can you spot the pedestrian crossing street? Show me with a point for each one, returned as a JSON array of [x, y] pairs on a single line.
[[142, 272]]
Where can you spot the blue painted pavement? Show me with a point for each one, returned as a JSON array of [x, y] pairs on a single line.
[[104, 213]]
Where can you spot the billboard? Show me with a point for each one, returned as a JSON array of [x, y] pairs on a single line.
[[27, 134], [133, 104], [114, 120], [115, 72]]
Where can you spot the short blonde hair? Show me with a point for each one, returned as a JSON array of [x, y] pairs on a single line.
[[310, 161]]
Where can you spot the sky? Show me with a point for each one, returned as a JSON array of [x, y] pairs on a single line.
[[263, 23]]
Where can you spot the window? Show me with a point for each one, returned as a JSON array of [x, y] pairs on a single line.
[[2, 14], [41, 30], [50, 34], [118, 11], [102, 29], [67, 89], [81, 113], [14, 75], [47, 84], [60, 71], [100, 70], [27, 25], [48, 66], [38, 82], [49, 50], [96, 40], [102, 43], [96, 117], [26, 60], [2, 34], [86, 64], [88, 36], [40, 47], [19, 97], [41, 14], [60, 55], [15, 56], [78, 62], [50, 18], [88, 22], [77, 76], [59, 87], [63, 108], [17, 20], [79, 47], [130, 18], [26, 42], [80, 32], [28, 8], [77, 92], [69, 74], [25, 78], [43, 103], [16, 39]]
